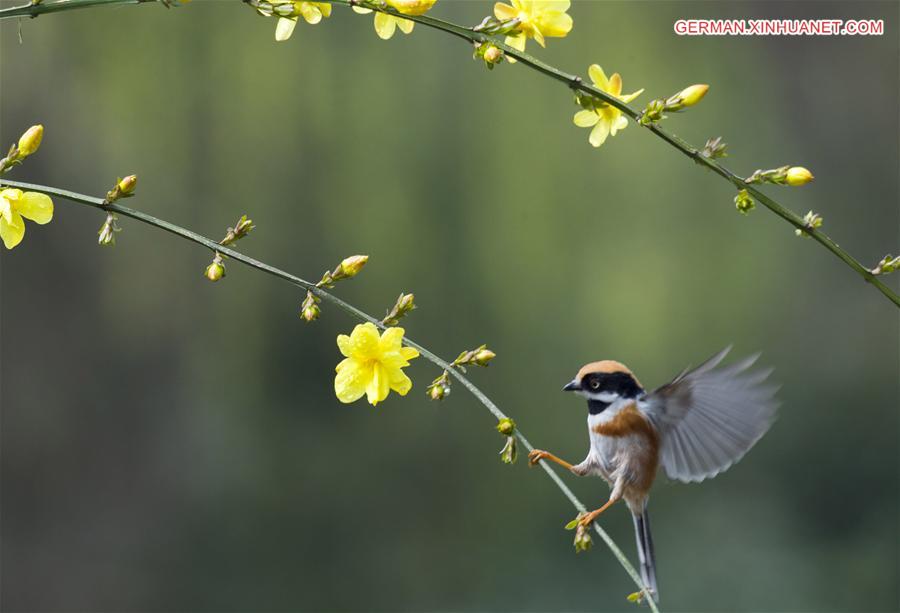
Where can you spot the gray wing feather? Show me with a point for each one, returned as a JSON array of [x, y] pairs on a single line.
[[709, 417]]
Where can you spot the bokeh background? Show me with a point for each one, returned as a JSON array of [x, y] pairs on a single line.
[[169, 444]]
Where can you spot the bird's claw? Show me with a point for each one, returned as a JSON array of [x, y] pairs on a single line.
[[535, 456], [587, 520]]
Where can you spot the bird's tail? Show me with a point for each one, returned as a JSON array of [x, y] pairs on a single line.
[[645, 552]]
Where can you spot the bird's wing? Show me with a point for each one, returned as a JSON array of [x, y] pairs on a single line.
[[709, 417]]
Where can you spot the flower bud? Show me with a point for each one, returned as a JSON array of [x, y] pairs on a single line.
[[411, 7], [351, 266], [309, 310], [714, 148], [583, 541], [510, 452], [484, 356], [506, 426], [107, 233], [440, 387], [405, 303], [216, 270], [798, 175], [689, 96], [30, 141], [811, 221], [743, 202], [887, 265], [653, 112], [126, 186]]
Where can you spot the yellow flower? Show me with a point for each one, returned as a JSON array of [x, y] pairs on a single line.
[[312, 12], [605, 119], [798, 175], [372, 365], [31, 140], [537, 19], [386, 25], [16, 204]]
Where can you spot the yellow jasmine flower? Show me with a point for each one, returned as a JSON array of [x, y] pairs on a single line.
[[386, 25], [312, 13], [537, 19], [372, 365], [16, 204], [605, 119]]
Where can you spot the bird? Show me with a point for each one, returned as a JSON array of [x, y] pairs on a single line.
[[694, 427]]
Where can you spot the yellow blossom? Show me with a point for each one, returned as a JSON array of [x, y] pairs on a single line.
[[537, 19], [31, 140], [798, 175], [386, 25], [605, 119], [372, 365], [16, 204], [312, 13]]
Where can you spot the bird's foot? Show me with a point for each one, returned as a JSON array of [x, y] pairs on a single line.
[[536, 455]]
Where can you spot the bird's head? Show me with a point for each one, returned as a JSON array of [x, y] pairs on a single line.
[[604, 383]]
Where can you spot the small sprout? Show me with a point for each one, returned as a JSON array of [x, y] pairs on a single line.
[[440, 387], [480, 356], [653, 112], [309, 310], [887, 265], [510, 452], [506, 426], [689, 96], [403, 306], [107, 233], [216, 270], [798, 175], [744, 202], [714, 148], [241, 229], [124, 188], [583, 541], [347, 269], [811, 221]]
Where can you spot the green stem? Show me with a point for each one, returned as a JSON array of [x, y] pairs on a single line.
[[574, 82], [215, 246]]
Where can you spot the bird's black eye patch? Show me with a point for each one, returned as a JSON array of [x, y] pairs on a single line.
[[621, 383]]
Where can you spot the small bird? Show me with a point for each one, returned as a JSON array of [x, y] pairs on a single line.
[[696, 426]]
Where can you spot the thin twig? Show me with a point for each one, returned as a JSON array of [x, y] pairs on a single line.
[[215, 246]]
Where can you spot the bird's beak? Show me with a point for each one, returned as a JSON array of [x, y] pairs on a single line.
[[572, 386]]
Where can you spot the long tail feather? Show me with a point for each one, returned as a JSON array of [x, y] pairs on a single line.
[[646, 555]]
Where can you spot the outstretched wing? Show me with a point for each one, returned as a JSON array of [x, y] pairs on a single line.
[[710, 417]]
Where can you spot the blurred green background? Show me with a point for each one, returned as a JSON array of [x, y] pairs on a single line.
[[169, 444]]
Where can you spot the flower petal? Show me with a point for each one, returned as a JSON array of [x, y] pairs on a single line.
[[504, 11], [630, 97], [36, 207], [620, 123], [400, 383], [598, 77], [352, 379], [405, 25], [586, 119], [379, 386], [12, 229], [538, 36], [311, 13], [599, 133], [391, 339], [409, 353], [325, 7], [362, 11], [555, 23], [285, 28], [517, 41], [365, 341], [385, 25], [615, 84], [345, 345]]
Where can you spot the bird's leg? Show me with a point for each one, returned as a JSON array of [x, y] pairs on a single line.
[[536, 455], [588, 519]]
